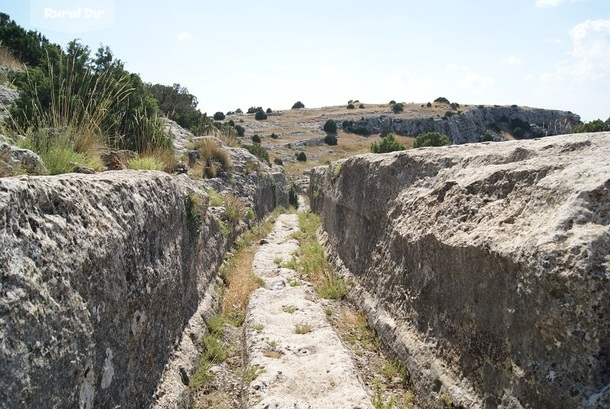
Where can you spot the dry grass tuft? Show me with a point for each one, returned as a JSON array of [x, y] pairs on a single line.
[[8, 60], [213, 157], [235, 207]]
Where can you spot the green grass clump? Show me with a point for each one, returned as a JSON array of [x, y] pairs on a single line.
[[146, 163]]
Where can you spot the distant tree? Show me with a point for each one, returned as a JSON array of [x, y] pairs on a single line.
[[429, 104], [256, 139], [361, 106], [260, 116], [274, 136], [298, 105], [269, 110], [392, 102], [278, 161], [431, 139], [350, 106], [442, 100], [594, 126], [330, 126], [259, 151], [239, 111], [396, 108], [330, 139], [387, 144], [219, 116], [301, 157], [241, 131]]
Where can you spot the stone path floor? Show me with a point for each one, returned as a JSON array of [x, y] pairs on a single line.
[[295, 359]]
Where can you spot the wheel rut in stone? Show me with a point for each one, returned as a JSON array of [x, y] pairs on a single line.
[[295, 359]]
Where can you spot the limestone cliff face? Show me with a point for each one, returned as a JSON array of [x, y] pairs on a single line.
[[474, 123], [100, 276], [485, 267]]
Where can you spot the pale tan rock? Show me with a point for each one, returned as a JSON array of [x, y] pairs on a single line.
[[484, 266]]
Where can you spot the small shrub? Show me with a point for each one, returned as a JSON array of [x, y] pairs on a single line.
[[347, 124], [301, 157], [442, 100], [429, 105], [195, 211], [330, 126], [455, 106], [256, 139], [431, 139], [213, 156], [274, 136], [219, 116], [392, 102], [269, 110], [259, 151], [387, 144], [278, 161], [260, 116], [253, 110], [330, 139], [239, 111], [361, 106], [240, 130], [397, 108], [298, 105], [350, 106]]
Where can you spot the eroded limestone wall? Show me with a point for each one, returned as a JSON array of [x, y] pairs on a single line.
[[100, 276], [485, 267]]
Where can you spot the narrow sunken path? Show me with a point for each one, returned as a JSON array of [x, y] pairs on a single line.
[[294, 358]]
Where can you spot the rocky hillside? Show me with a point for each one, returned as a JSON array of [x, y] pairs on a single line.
[[484, 267], [101, 275]]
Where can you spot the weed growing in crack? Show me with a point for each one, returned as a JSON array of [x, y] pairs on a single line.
[[258, 327], [253, 372], [302, 329], [291, 309]]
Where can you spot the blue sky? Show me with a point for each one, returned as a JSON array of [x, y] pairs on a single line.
[[271, 53]]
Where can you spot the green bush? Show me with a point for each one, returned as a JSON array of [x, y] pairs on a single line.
[[347, 124], [269, 110], [330, 126], [442, 100], [278, 161], [431, 139], [253, 110], [350, 106], [387, 144], [260, 116], [256, 139], [392, 102], [241, 131], [259, 151], [301, 157], [429, 105], [274, 136], [594, 126], [330, 139], [396, 108], [298, 105], [219, 116], [361, 106]]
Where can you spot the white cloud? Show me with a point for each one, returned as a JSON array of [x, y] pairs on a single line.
[[456, 67], [512, 60], [404, 79], [184, 36], [552, 3], [590, 54]]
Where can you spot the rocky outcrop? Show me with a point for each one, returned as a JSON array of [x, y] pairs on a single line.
[[101, 275], [484, 267], [15, 160], [476, 123]]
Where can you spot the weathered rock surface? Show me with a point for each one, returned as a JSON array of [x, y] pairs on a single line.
[[485, 267], [106, 280], [473, 124], [15, 160]]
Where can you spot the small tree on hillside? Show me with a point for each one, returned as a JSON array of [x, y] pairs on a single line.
[[330, 139], [396, 108], [219, 116], [387, 144], [298, 105], [256, 139], [301, 157], [260, 116], [431, 139], [330, 126]]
